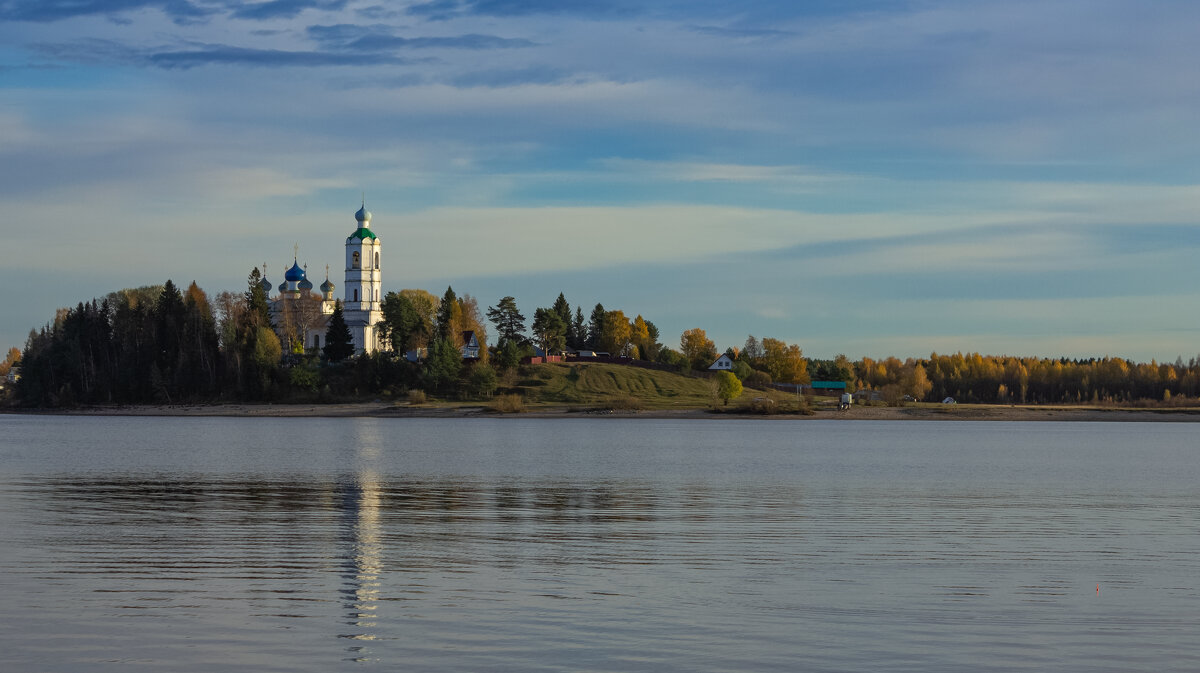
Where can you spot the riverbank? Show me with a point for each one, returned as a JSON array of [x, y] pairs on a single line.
[[958, 412]]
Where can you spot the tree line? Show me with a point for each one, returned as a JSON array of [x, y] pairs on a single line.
[[973, 377], [135, 345], [157, 344]]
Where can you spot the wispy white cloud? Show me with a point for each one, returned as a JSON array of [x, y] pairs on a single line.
[[697, 171]]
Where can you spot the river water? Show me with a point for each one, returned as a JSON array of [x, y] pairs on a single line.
[[508, 544]]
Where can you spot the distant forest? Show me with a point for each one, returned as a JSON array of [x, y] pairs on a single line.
[[160, 345]]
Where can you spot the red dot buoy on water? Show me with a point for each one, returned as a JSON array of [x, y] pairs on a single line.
[[1097, 589]]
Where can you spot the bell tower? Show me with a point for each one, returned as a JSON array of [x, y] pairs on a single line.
[[363, 279]]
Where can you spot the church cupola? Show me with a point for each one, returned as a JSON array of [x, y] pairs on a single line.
[[327, 287], [264, 283], [305, 285], [293, 276]]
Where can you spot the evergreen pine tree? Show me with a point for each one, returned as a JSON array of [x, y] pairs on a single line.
[[169, 313], [563, 309], [510, 324], [578, 329], [443, 365], [596, 327], [444, 327], [339, 345], [256, 300]]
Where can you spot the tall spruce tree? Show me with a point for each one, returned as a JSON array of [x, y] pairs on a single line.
[[256, 301], [169, 313], [444, 327], [578, 329], [339, 345], [563, 309], [596, 327]]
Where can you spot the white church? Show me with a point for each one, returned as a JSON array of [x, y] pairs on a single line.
[[300, 316]]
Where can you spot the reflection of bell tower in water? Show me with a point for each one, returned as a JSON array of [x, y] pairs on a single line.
[[361, 559]]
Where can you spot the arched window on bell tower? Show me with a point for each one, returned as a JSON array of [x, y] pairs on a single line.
[[356, 295], [376, 260], [355, 262]]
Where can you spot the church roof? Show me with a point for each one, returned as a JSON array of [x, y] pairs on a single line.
[[363, 233], [295, 273]]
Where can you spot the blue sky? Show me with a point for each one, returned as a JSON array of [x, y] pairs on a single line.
[[872, 178]]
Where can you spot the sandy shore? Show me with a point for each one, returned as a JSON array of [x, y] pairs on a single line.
[[960, 412]]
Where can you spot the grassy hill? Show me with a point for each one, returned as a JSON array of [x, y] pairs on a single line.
[[601, 385]]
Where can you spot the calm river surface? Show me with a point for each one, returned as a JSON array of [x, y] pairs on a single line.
[[206, 544]]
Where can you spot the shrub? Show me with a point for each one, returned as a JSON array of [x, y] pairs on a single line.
[[508, 404], [742, 370], [416, 397], [623, 403], [805, 407], [482, 381], [892, 395], [509, 355], [763, 405], [304, 378], [757, 379]]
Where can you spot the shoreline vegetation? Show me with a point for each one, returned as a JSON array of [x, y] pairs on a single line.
[[389, 409], [584, 389], [156, 350]]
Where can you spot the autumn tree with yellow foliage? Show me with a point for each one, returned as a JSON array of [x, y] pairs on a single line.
[[697, 348], [614, 333], [639, 336], [785, 363]]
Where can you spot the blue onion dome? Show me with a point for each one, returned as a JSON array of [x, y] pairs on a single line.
[[305, 285], [326, 287], [283, 287], [363, 215], [295, 273], [265, 285]]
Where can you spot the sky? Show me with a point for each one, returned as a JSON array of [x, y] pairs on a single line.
[[871, 178]]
